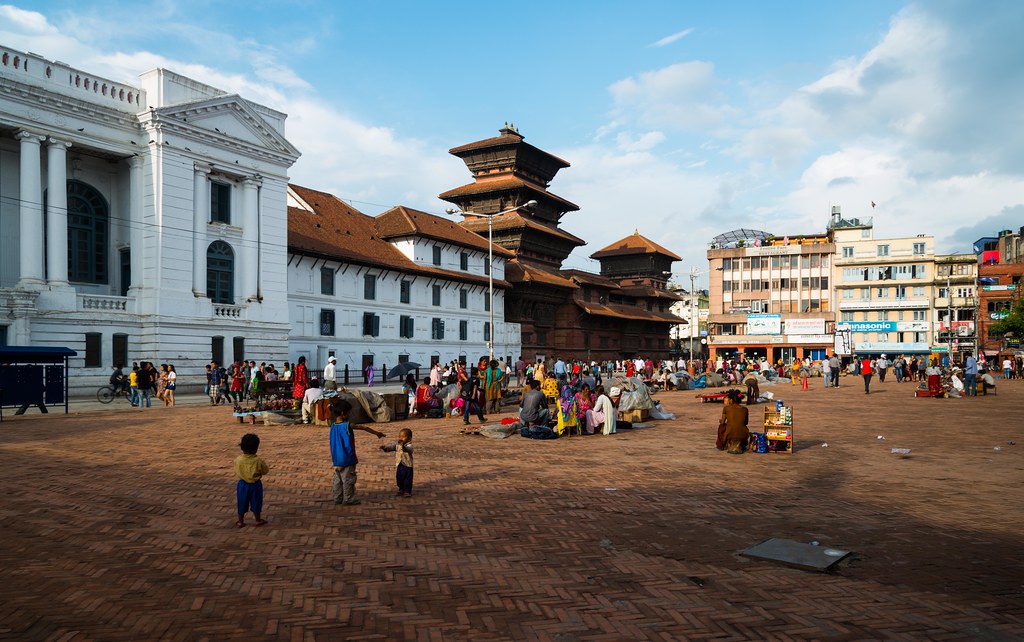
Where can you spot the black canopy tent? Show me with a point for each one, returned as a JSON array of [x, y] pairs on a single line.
[[33, 376]]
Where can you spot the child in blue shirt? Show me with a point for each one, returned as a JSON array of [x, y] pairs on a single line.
[[343, 452]]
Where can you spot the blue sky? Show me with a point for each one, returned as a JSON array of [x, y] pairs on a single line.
[[680, 119]]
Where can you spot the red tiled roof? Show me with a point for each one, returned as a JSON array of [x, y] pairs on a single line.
[[634, 244], [506, 183], [338, 231], [627, 312], [518, 272], [515, 221], [404, 221]]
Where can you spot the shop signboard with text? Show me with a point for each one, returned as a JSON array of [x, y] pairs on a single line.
[[805, 326], [867, 326], [764, 324]]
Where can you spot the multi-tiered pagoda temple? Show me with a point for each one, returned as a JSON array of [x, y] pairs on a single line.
[[509, 172], [569, 313]]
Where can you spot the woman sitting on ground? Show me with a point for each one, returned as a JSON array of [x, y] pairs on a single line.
[[426, 398], [733, 433], [604, 413], [584, 402], [550, 386]]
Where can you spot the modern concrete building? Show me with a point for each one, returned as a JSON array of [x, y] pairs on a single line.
[[955, 305], [1000, 270], [884, 288], [770, 296]]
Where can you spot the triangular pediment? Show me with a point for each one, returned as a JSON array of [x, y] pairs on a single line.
[[230, 117]]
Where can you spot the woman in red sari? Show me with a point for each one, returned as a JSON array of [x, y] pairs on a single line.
[[301, 378]]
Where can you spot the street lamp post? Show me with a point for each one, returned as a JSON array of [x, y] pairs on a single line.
[[528, 205]]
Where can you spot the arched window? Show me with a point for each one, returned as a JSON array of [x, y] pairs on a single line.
[[88, 224], [220, 273]]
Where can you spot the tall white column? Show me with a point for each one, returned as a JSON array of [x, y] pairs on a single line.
[[30, 212], [200, 218], [57, 212], [136, 211], [250, 266]]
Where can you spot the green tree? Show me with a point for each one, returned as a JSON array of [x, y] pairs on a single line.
[[1012, 324]]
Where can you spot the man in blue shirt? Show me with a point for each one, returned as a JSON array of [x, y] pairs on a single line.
[[561, 371], [971, 374]]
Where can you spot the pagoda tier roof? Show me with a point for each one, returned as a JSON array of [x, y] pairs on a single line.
[[401, 221], [515, 221], [590, 278], [652, 293], [506, 137], [518, 272], [507, 184], [334, 230], [634, 244], [627, 312]]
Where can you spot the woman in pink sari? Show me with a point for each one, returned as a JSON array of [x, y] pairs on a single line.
[[301, 378]]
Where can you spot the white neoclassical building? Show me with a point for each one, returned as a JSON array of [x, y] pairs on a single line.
[[402, 286], [139, 222]]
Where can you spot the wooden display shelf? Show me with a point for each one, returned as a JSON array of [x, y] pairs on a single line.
[[780, 436]]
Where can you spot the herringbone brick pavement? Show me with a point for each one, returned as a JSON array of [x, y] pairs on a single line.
[[117, 525]]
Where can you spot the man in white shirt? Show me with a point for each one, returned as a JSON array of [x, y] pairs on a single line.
[[313, 392], [1007, 368], [330, 382]]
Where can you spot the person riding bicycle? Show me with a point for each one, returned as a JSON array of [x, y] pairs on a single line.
[[118, 381]]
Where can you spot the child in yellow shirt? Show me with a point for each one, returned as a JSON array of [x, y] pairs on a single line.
[[250, 470]]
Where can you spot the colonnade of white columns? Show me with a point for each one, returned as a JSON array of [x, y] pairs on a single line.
[[30, 212]]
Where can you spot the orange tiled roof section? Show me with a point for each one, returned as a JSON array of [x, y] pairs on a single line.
[[518, 272], [504, 184], [508, 137], [404, 221], [627, 312], [337, 231], [635, 243], [514, 221]]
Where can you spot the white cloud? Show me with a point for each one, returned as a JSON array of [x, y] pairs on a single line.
[[667, 40], [356, 160], [683, 96], [638, 143]]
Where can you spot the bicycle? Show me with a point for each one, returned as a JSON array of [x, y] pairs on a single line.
[[106, 394]]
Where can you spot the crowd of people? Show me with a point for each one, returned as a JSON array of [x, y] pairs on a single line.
[[144, 381]]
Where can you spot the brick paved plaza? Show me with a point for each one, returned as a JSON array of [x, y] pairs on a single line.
[[117, 525]]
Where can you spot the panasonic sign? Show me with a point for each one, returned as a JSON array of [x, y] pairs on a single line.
[[868, 326]]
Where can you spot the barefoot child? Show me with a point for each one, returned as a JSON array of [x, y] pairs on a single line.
[[403, 461], [250, 470], [343, 452]]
